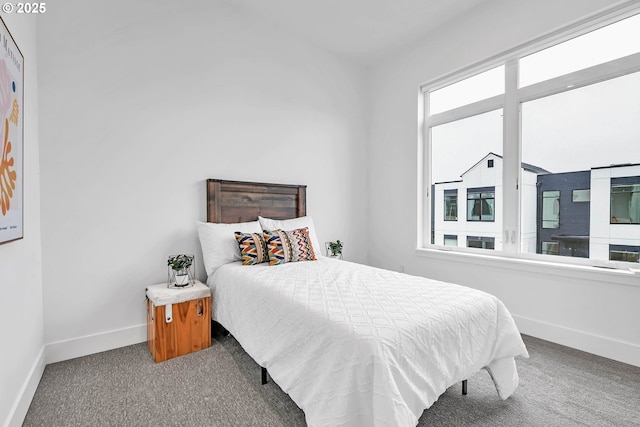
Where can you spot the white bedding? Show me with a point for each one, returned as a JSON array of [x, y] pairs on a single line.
[[360, 346]]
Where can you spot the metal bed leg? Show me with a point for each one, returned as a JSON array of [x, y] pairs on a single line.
[[464, 387], [264, 375], [218, 330]]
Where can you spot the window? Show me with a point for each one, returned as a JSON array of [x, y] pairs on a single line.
[[624, 253], [540, 132], [625, 200], [480, 134], [550, 248], [480, 86], [450, 205], [573, 246], [480, 204], [480, 242], [450, 240], [569, 134], [550, 209], [597, 47], [581, 196]]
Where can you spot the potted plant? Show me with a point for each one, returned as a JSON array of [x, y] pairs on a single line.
[[180, 269], [335, 249]]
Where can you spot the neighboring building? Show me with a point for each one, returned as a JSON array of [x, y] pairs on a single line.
[[591, 214], [563, 212], [468, 212], [588, 214], [615, 232]]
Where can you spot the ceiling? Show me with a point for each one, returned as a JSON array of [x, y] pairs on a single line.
[[362, 29]]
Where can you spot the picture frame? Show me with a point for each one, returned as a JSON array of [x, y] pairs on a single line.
[[11, 138]]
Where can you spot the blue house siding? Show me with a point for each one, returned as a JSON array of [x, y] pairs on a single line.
[[572, 234]]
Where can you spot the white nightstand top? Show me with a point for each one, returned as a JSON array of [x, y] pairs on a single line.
[[162, 295]]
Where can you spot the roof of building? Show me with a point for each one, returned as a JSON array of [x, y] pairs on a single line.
[[533, 168], [525, 166], [536, 169], [619, 165]]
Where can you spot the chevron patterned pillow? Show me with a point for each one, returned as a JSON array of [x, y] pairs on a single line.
[[253, 248], [287, 246]]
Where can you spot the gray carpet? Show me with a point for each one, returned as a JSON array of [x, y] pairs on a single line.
[[220, 386]]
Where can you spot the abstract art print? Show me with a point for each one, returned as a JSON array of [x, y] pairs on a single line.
[[11, 137]]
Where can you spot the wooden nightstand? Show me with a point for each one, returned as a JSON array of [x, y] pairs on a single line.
[[178, 320]]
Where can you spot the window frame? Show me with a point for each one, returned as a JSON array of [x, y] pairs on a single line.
[[451, 237], [622, 182], [481, 192], [483, 242], [450, 192], [557, 246], [557, 200], [510, 102], [573, 195], [626, 250]]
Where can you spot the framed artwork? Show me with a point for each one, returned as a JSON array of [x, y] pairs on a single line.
[[11, 137]]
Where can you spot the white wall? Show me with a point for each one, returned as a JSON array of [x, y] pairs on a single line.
[[593, 311], [141, 102], [21, 335]]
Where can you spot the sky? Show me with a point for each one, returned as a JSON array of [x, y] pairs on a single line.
[[592, 126], [597, 125]]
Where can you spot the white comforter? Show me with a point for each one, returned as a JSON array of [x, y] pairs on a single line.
[[360, 346]]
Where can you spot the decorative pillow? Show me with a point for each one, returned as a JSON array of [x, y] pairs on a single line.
[[287, 246], [253, 248], [219, 245], [268, 224]]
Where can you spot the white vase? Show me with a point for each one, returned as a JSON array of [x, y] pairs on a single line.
[[181, 279]]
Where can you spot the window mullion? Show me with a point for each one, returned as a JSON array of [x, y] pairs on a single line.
[[465, 111], [425, 228], [511, 175]]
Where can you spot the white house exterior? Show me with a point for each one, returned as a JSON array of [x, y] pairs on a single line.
[[467, 228], [618, 226], [468, 212]]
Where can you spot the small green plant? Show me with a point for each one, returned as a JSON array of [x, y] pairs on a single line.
[[335, 248], [180, 262]]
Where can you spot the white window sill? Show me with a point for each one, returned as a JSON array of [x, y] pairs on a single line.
[[629, 276]]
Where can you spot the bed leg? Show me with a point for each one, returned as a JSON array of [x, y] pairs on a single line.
[[264, 375], [218, 330], [464, 387]]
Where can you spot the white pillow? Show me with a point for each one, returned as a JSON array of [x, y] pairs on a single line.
[[219, 244], [269, 224]]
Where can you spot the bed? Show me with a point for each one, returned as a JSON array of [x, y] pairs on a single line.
[[352, 345]]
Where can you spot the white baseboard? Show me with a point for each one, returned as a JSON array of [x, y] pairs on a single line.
[[65, 350], [28, 389], [610, 348], [96, 343]]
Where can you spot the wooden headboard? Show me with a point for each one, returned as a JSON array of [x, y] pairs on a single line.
[[237, 201]]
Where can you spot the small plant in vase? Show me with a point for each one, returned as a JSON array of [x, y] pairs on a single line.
[[180, 274], [335, 249]]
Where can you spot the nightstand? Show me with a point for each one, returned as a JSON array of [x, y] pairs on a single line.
[[178, 320]]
